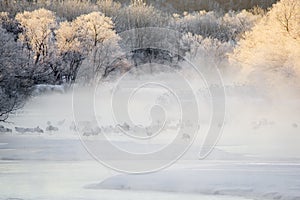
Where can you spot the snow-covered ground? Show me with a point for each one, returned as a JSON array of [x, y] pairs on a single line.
[[252, 180], [37, 167], [48, 167]]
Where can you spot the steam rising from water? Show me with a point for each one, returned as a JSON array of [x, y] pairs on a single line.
[[260, 121]]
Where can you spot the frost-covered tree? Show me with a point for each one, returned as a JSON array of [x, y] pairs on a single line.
[[105, 59], [65, 9], [37, 32], [70, 9], [98, 38], [287, 14], [69, 51], [15, 82], [212, 49], [213, 24], [273, 45], [139, 15], [89, 42], [93, 29], [200, 23], [67, 37], [136, 20], [9, 24], [109, 8], [237, 23]]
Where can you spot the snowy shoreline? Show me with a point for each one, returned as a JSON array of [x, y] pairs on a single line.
[[44, 157], [268, 182]]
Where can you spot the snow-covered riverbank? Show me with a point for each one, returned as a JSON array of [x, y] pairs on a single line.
[[35, 167]]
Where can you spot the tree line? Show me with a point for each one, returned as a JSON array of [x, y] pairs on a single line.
[[48, 41]]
